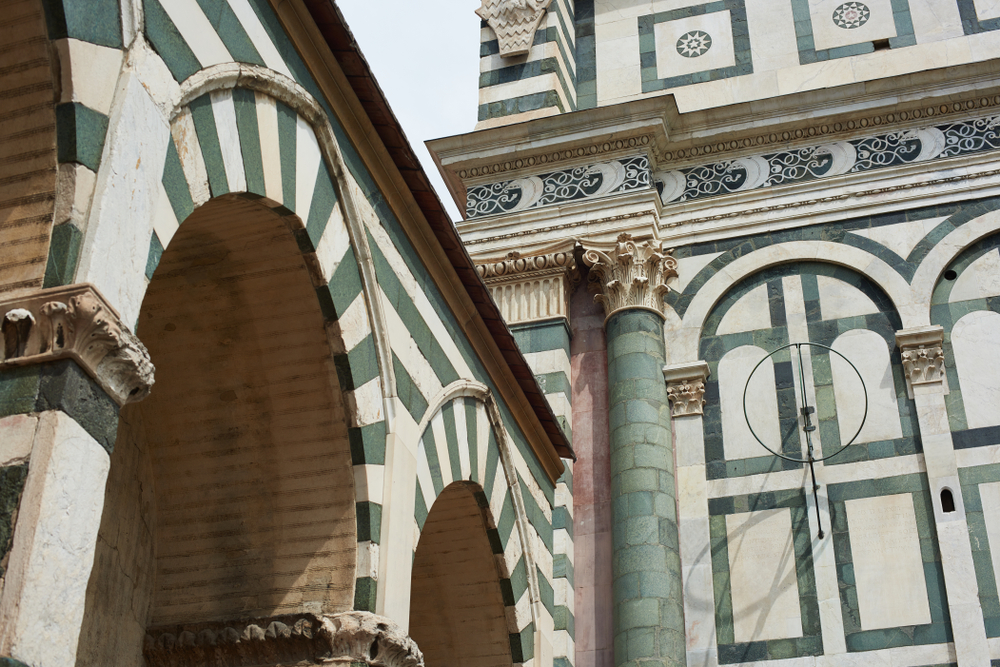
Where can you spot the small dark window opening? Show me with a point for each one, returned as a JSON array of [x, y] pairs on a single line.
[[950, 274], [947, 501], [881, 44]]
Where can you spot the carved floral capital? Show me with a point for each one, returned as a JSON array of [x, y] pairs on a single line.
[[922, 353], [686, 388], [350, 637], [76, 322], [632, 274], [514, 22]]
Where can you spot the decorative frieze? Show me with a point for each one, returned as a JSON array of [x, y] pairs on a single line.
[[514, 22], [585, 182], [843, 157], [350, 637], [531, 288], [76, 322], [632, 274], [922, 353], [686, 388]]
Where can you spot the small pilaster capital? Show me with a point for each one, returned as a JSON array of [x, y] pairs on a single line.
[[76, 322], [531, 288], [632, 274], [922, 353], [686, 388], [514, 22]]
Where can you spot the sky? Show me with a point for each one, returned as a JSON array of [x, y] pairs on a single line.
[[425, 56]]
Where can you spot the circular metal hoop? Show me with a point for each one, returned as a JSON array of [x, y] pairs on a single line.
[[864, 389]]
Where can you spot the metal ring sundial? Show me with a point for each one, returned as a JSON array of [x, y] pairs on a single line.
[[807, 411]]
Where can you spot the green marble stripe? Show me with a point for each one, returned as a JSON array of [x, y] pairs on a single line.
[[555, 383], [407, 390], [357, 367], [546, 592], [417, 327], [288, 148], [420, 510], [324, 199], [211, 149], [531, 70], [231, 32], [365, 594], [367, 444], [515, 105], [279, 38], [95, 21], [247, 126], [564, 620], [451, 437], [168, 43], [155, 253], [433, 461], [175, 184], [562, 568], [12, 480], [506, 520], [561, 520], [344, 287], [522, 644], [64, 254], [472, 435], [519, 580], [369, 517], [492, 465], [542, 336], [80, 134], [536, 517]]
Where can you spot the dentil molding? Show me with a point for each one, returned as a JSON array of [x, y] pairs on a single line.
[[303, 639], [514, 22], [531, 288], [922, 353], [76, 322], [632, 275], [686, 388]]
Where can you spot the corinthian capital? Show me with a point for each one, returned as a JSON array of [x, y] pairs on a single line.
[[922, 352], [632, 275]]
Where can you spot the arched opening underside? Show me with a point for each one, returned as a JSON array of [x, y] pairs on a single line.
[[239, 458], [456, 604], [27, 146]]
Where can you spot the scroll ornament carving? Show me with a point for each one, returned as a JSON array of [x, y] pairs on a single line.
[[76, 322], [350, 637], [632, 275], [923, 364], [514, 22], [686, 398]]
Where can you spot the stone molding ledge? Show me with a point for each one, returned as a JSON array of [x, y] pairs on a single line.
[[631, 275], [76, 322], [922, 352], [300, 639], [686, 388], [531, 288]]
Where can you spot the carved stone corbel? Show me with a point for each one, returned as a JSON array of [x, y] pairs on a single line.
[[514, 22], [922, 353], [686, 388], [76, 322], [632, 274], [300, 639], [531, 288]]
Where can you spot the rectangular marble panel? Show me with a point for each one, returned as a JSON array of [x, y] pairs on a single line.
[[888, 570], [833, 26], [990, 496], [987, 9], [765, 590], [694, 44]]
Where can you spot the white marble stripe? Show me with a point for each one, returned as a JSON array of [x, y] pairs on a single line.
[[563, 646], [368, 482], [192, 161], [523, 610], [270, 151], [307, 157], [535, 84], [402, 343], [497, 497], [549, 361], [364, 404], [521, 466], [333, 244], [562, 544], [352, 327], [164, 220], [259, 37], [424, 475], [482, 440], [461, 429], [560, 404], [441, 444], [197, 31], [229, 139]]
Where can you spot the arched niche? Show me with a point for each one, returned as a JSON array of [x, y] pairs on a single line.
[[457, 612], [231, 489]]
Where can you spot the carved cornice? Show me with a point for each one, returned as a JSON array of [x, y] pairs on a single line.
[[558, 156], [922, 353], [353, 636], [531, 288], [76, 322], [686, 388], [632, 275], [514, 22]]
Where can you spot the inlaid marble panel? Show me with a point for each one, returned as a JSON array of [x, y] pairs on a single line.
[[843, 23], [990, 495], [888, 568], [694, 44], [750, 313], [870, 355], [979, 280], [976, 342], [762, 403], [762, 569]]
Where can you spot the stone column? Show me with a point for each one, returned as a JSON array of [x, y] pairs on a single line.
[[923, 364], [67, 366], [648, 609]]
